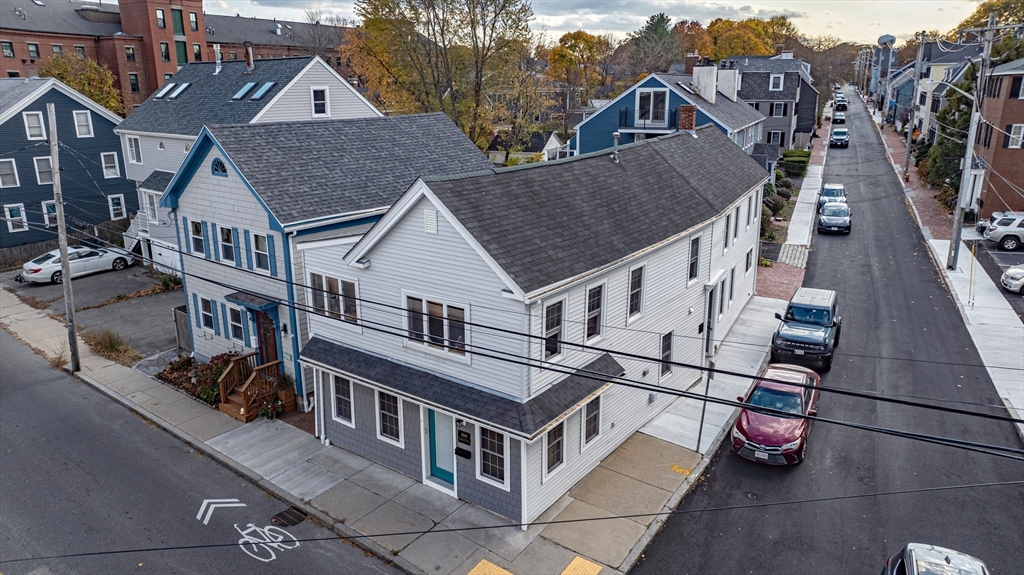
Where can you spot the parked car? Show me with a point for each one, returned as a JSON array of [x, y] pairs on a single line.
[[83, 261], [834, 217], [810, 329], [841, 105], [831, 193], [1007, 231], [1013, 279], [922, 559], [982, 225], [774, 438], [839, 118], [840, 138]]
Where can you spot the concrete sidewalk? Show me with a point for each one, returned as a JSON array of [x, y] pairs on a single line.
[[631, 491]]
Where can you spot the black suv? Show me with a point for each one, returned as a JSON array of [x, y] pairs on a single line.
[[840, 137], [810, 329]]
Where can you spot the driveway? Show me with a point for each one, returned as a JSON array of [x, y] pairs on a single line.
[[146, 322], [995, 261]]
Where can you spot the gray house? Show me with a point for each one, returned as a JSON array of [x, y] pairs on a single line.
[[157, 136], [458, 363], [248, 194], [781, 88]]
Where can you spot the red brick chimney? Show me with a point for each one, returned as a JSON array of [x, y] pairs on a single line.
[[687, 117]]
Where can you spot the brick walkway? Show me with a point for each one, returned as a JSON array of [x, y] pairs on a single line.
[[779, 281]]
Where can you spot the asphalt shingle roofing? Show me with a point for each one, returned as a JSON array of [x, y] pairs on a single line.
[[260, 31], [157, 181], [207, 100], [1014, 67], [525, 419], [735, 115], [61, 16], [14, 90], [550, 221], [304, 170]]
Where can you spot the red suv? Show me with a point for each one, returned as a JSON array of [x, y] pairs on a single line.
[[773, 438]]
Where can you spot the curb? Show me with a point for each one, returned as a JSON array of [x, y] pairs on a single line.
[[326, 521]]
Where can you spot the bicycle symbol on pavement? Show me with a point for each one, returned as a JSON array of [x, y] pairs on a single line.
[[260, 543]]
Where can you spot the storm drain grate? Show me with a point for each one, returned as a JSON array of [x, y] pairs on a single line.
[[288, 517]]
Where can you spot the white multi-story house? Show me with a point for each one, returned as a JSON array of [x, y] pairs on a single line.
[[158, 134], [247, 194], [473, 337]]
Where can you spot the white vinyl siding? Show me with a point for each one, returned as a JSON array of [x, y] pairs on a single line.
[[294, 103]]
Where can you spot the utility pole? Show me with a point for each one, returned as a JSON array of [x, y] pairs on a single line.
[[62, 237], [912, 117], [966, 182]]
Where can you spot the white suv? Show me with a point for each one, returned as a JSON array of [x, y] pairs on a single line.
[[1007, 231]]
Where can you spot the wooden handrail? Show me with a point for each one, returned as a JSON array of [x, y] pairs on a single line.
[[264, 381], [236, 374]]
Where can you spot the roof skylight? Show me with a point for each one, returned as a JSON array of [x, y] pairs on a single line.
[[167, 88], [177, 92], [245, 90], [263, 90]]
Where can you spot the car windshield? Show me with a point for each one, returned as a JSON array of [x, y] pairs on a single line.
[[811, 315], [788, 401], [832, 192], [835, 211], [839, 133], [43, 259]]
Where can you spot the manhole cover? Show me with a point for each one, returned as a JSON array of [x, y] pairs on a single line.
[[288, 517]]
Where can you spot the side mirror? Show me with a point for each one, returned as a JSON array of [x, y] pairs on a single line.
[[778, 315], [740, 399], [812, 412]]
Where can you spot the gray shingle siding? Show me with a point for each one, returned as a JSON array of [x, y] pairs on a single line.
[[490, 497]]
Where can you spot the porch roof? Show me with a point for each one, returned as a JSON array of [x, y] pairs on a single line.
[[524, 419], [250, 301]]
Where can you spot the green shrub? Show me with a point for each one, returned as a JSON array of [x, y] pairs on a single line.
[[795, 167], [769, 189], [779, 175], [785, 193], [775, 204], [767, 231], [796, 154], [784, 183]]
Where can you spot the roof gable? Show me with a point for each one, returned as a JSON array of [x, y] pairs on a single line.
[[17, 93]]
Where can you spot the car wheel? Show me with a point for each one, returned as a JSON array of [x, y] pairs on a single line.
[[826, 365], [1010, 243], [120, 264], [835, 343], [57, 277], [774, 358]]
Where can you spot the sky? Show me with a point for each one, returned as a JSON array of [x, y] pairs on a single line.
[[861, 21]]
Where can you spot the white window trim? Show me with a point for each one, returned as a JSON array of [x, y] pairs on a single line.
[[544, 331], [221, 244], [35, 165], [1017, 129], [117, 165], [781, 107], [192, 236], [156, 206], [352, 399], [643, 292], [728, 232], [546, 475], [88, 116], [771, 82], [10, 220], [42, 125], [255, 265], [422, 345], [46, 219], [732, 287], [327, 101], [14, 167], [401, 419], [672, 356], [202, 324], [770, 136], [584, 445], [110, 206], [603, 284], [689, 255], [355, 327], [506, 486], [134, 158], [636, 106], [230, 334], [750, 211], [753, 263]]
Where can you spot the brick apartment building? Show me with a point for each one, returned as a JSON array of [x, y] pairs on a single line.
[[1000, 140], [144, 42]]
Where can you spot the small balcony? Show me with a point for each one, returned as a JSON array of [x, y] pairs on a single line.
[[643, 119]]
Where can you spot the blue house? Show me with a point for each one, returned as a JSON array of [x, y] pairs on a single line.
[[665, 103], [92, 169]]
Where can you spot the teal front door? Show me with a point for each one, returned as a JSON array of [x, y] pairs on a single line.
[[442, 446]]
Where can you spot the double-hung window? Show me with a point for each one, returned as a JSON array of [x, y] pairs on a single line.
[[553, 330], [732, 283], [198, 241], [116, 204], [57, 48], [389, 418], [735, 224], [750, 259], [80, 51], [319, 101], [44, 170], [152, 201], [161, 22], [636, 290], [554, 448], [134, 150], [110, 167], [197, 52], [193, 21], [666, 353], [778, 109], [261, 252], [33, 50], [591, 420], [1015, 138], [34, 129], [334, 297], [595, 305], [165, 51], [14, 214], [133, 83], [725, 236], [439, 325], [8, 174], [227, 243], [342, 399], [8, 48], [206, 313], [775, 83], [750, 209], [83, 124], [49, 213], [492, 456], [235, 319], [129, 53], [694, 259], [775, 137]]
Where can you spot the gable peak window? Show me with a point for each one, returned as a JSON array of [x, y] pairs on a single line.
[[34, 129], [219, 168], [652, 108], [321, 106], [83, 124]]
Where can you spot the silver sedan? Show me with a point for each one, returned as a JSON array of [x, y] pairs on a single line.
[[83, 260]]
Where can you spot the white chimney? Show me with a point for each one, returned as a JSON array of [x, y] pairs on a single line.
[[705, 82], [729, 83], [216, 57], [277, 30]]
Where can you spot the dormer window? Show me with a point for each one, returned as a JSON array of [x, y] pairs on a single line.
[[321, 106], [218, 168], [775, 84]]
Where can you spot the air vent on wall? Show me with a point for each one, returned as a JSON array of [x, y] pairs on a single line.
[[430, 221]]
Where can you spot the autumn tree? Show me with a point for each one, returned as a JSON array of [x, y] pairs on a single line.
[[654, 46], [323, 34], [87, 76], [693, 38], [740, 41], [575, 61], [1006, 11], [520, 97]]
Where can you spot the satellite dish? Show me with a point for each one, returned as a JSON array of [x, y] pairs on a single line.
[[886, 40]]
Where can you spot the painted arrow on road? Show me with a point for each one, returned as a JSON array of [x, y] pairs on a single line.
[[210, 504]]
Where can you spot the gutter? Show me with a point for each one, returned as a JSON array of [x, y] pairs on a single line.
[[314, 223]]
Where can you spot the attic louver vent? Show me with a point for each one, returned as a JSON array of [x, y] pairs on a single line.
[[245, 90], [177, 92], [167, 88], [263, 90], [430, 221]]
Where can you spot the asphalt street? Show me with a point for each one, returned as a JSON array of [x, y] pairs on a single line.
[[902, 337], [88, 487]]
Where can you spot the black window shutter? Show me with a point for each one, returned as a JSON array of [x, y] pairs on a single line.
[[1014, 89], [785, 109], [988, 135], [1006, 138]]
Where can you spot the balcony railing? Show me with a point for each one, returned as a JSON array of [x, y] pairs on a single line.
[[632, 118]]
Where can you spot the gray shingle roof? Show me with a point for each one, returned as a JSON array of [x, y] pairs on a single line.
[[525, 419], [157, 181], [61, 16], [766, 64], [546, 222], [946, 53], [1015, 67], [208, 99], [735, 115], [304, 170], [14, 90], [236, 29], [764, 154]]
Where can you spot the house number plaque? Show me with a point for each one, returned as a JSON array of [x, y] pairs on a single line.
[[464, 437]]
